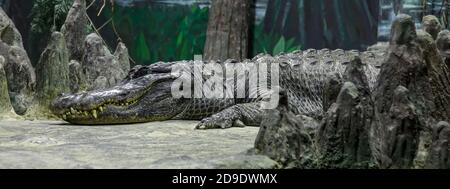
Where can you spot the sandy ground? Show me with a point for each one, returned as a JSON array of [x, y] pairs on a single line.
[[171, 144]]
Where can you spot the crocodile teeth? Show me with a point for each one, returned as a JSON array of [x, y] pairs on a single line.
[[94, 113], [64, 117], [101, 109], [86, 113]]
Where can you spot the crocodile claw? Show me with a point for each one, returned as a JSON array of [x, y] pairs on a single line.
[[217, 123], [214, 123]]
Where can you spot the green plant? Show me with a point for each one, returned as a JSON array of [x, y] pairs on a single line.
[[272, 43], [192, 33], [169, 33], [49, 15], [161, 33]]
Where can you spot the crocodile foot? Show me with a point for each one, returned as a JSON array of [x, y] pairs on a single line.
[[216, 122]]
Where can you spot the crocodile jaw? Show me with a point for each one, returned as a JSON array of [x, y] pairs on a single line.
[[143, 99]]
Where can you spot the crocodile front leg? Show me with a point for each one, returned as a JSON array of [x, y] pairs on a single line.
[[240, 115]]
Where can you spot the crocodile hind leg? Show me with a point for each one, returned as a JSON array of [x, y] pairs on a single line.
[[240, 115]]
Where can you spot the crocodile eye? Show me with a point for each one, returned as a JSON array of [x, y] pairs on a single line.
[[137, 72], [141, 72]]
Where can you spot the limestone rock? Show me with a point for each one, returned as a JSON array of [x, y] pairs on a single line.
[[431, 25], [283, 137], [331, 91], [21, 79], [443, 44], [76, 77], [53, 71], [123, 57], [5, 104], [19, 72], [355, 73], [100, 83], [9, 34], [75, 29], [98, 61], [403, 132], [403, 30], [438, 76], [343, 138], [439, 155], [310, 124], [413, 61]]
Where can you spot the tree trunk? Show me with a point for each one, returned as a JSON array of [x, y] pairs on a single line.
[[360, 24], [445, 13], [314, 24], [270, 16], [228, 30], [292, 25], [275, 17], [341, 24], [334, 28]]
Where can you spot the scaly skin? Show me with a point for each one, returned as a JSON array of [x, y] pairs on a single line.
[[145, 94]]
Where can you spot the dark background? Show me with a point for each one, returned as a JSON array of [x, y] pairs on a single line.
[[168, 30]]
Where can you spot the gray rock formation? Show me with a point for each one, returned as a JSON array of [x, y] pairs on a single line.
[[355, 73], [19, 72], [8, 31], [52, 71], [443, 44], [76, 76], [438, 76], [431, 25], [439, 154], [5, 104], [414, 62], [331, 91], [403, 132], [123, 57], [343, 137], [98, 61], [411, 94], [21, 78], [75, 29], [100, 83], [99, 68], [284, 138]]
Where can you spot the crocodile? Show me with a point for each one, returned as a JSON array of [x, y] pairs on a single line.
[[145, 94]]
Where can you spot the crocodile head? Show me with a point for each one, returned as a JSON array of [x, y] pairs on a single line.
[[141, 97]]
